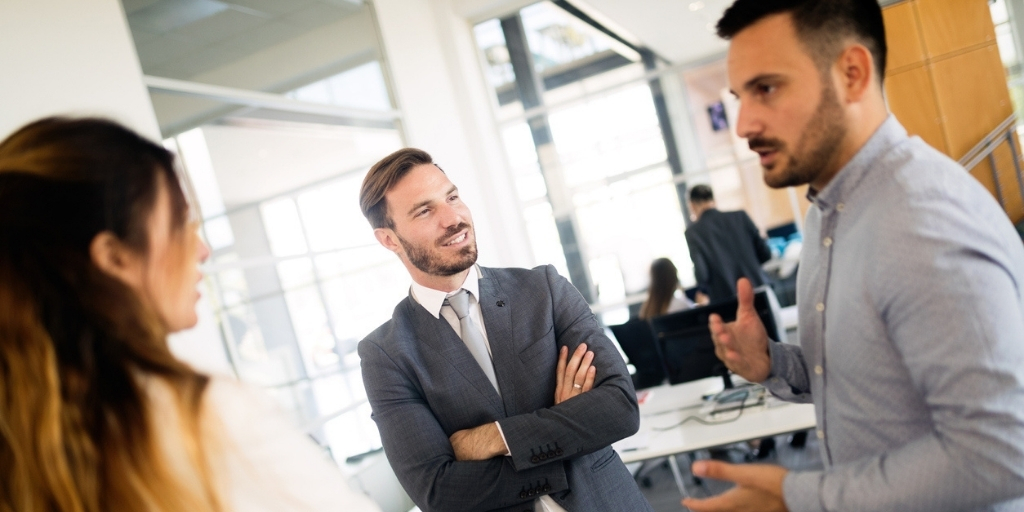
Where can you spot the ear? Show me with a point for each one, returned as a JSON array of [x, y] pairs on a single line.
[[113, 258], [388, 238], [856, 73]]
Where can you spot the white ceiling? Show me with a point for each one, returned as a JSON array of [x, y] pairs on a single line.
[[182, 38], [671, 28]]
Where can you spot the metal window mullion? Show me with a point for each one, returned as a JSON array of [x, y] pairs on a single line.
[[530, 92]]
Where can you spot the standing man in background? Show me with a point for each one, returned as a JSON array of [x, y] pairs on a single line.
[[910, 285], [724, 247], [476, 405]]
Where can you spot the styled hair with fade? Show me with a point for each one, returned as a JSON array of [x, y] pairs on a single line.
[[822, 25], [381, 178]]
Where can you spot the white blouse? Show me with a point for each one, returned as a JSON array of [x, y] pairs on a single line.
[[261, 462]]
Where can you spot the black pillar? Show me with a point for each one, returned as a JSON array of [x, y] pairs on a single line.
[[675, 163]]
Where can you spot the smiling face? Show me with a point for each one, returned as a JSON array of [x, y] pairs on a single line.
[[789, 112], [432, 229]]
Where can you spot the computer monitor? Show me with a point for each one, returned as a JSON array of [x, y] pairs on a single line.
[[685, 340]]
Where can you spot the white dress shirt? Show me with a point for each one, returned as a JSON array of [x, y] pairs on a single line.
[[433, 301]]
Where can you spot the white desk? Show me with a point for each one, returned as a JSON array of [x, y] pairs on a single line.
[[666, 406]]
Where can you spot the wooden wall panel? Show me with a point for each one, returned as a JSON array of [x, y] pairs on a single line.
[[911, 99], [949, 26], [902, 37], [956, 94], [972, 96]]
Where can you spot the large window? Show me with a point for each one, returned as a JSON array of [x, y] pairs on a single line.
[[603, 171], [277, 110], [594, 127]]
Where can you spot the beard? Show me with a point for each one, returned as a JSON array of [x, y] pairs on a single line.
[[817, 145], [429, 261]]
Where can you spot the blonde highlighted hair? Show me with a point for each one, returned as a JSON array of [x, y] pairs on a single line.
[[81, 355]]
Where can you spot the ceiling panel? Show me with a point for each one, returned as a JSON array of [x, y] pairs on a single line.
[[221, 26], [319, 14], [182, 38], [679, 31], [274, 7]]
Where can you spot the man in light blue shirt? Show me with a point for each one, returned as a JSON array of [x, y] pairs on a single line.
[[910, 304]]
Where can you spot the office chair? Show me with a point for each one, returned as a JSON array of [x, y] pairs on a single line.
[[637, 341], [685, 340]]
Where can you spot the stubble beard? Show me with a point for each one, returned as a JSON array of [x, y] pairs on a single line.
[[428, 261], [816, 148]]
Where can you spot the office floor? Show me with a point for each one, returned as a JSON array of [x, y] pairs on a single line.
[[664, 496]]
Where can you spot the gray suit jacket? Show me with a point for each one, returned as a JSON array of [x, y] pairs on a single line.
[[424, 385]]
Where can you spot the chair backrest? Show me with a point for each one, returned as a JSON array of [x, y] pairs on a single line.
[[685, 341], [637, 340]]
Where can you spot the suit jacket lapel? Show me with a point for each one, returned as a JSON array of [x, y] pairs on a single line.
[[439, 336], [497, 314]]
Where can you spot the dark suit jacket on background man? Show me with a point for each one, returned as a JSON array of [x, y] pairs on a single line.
[[724, 247], [423, 385]]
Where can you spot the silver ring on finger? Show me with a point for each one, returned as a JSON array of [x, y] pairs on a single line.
[[577, 386]]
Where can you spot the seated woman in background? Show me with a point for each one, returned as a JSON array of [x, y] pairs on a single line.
[[664, 294], [98, 264]]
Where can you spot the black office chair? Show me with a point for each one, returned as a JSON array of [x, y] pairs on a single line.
[[637, 340], [685, 340]]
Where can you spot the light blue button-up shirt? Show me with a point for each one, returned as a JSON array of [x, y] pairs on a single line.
[[911, 338]]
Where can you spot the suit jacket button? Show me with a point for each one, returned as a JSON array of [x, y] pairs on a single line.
[[546, 488], [535, 459], [522, 495], [558, 452], [531, 493], [552, 454], [543, 456]]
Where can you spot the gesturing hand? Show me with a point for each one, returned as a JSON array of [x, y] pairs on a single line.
[[758, 488], [576, 376], [743, 344]]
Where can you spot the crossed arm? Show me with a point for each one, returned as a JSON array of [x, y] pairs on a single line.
[[574, 376], [438, 472]]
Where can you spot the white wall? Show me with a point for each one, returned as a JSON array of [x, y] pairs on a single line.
[[77, 57], [447, 111], [69, 57]]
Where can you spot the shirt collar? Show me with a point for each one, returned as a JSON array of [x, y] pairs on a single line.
[[890, 133], [432, 300]]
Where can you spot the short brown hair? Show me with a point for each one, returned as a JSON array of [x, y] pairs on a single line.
[[381, 178], [821, 25]]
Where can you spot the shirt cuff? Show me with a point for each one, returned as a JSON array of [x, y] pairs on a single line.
[[508, 453], [802, 491]]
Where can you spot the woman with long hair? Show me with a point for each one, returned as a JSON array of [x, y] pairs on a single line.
[[662, 296], [98, 264]]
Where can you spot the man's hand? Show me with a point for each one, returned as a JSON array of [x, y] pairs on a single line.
[[479, 443], [742, 345], [576, 376], [758, 488]]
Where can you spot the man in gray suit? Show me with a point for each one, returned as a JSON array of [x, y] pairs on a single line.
[[477, 406]]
